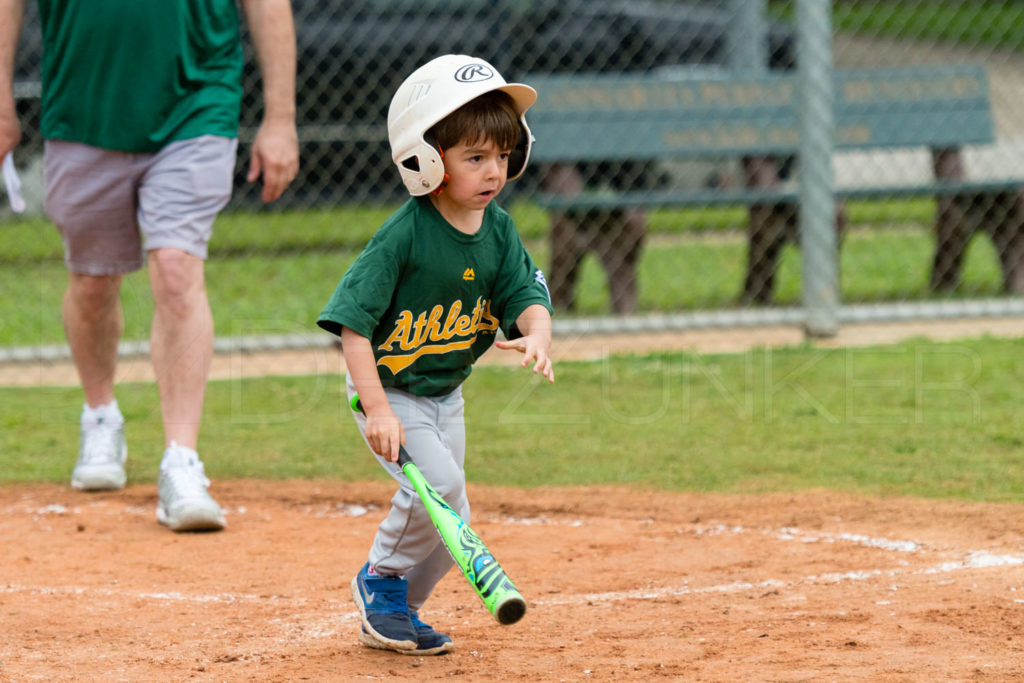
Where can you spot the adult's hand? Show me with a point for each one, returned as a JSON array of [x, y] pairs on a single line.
[[275, 156], [275, 151]]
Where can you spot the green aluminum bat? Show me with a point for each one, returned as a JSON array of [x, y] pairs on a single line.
[[478, 565]]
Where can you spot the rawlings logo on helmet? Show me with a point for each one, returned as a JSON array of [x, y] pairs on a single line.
[[474, 73]]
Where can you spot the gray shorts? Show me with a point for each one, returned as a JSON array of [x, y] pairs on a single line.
[[110, 206]]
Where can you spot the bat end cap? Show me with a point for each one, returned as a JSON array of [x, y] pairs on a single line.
[[510, 611]]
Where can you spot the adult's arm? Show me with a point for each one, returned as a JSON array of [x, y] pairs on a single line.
[[11, 12], [275, 150]]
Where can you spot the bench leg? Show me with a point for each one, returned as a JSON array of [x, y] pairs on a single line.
[[769, 227], [1000, 216], [615, 236], [956, 220], [1005, 224], [953, 231], [567, 247], [618, 241]]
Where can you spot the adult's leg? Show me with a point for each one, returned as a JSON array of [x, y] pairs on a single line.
[[181, 341], [90, 195], [181, 346], [93, 324], [186, 185]]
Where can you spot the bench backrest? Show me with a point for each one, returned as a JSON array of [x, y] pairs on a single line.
[[665, 115]]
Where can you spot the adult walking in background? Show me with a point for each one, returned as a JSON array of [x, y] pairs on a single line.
[[140, 111]]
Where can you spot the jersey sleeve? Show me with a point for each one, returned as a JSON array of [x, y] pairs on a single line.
[[365, 290]]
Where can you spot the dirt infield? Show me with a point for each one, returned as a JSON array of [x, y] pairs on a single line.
[[622, 585]]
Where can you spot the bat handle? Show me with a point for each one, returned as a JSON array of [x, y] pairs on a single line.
[[403, 455]]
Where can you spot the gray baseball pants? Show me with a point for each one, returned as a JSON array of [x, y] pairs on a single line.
[[407, 542]]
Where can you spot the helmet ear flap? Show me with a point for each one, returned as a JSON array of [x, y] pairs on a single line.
[[518, 157], [423, 170]]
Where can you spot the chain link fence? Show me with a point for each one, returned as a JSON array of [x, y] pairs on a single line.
[[677, 178]]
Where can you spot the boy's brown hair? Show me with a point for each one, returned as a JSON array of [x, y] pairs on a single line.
[[489, 117]]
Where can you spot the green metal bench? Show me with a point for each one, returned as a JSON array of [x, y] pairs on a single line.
[[665, 117]]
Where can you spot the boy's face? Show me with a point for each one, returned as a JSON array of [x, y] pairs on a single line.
[[476, 173]]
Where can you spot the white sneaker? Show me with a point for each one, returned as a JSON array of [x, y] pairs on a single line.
[[184, 503], [101, 452]]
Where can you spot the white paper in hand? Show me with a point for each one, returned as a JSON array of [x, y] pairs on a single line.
[[13, 184]]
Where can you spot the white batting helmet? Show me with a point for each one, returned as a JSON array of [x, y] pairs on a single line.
[[431, 93]]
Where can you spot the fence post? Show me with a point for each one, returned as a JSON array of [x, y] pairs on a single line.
[[818, 242], [748, 37]]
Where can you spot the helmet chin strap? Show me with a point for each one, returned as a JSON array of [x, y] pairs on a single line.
[[444, 181]]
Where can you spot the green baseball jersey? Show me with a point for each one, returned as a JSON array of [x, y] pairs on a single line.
[[133, 76], [431, 298]]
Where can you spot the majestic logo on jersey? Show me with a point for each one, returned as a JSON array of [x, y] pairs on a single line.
[[468, 274], [426, 334]]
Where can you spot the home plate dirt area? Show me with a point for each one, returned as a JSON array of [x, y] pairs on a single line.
[[621, 584]]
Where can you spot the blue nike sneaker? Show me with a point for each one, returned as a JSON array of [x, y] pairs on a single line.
[[428, 641], [382, 606]]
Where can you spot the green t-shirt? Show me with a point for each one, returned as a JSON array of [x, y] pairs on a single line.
[[430, 298], [135, 75]]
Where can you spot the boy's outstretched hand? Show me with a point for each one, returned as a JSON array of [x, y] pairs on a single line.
[[534, 348], [535, 344]]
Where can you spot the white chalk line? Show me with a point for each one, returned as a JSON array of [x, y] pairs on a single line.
[[979, 559], [334, 510], [326, 511], [308, 626], [297, 627]]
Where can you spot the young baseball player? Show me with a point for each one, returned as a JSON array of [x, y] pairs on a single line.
[[421, 304]]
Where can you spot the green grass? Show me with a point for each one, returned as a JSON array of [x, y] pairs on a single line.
[[998, 23], [268, 233], [34, 239], [917, 419], [283, 294], [272, 272]]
